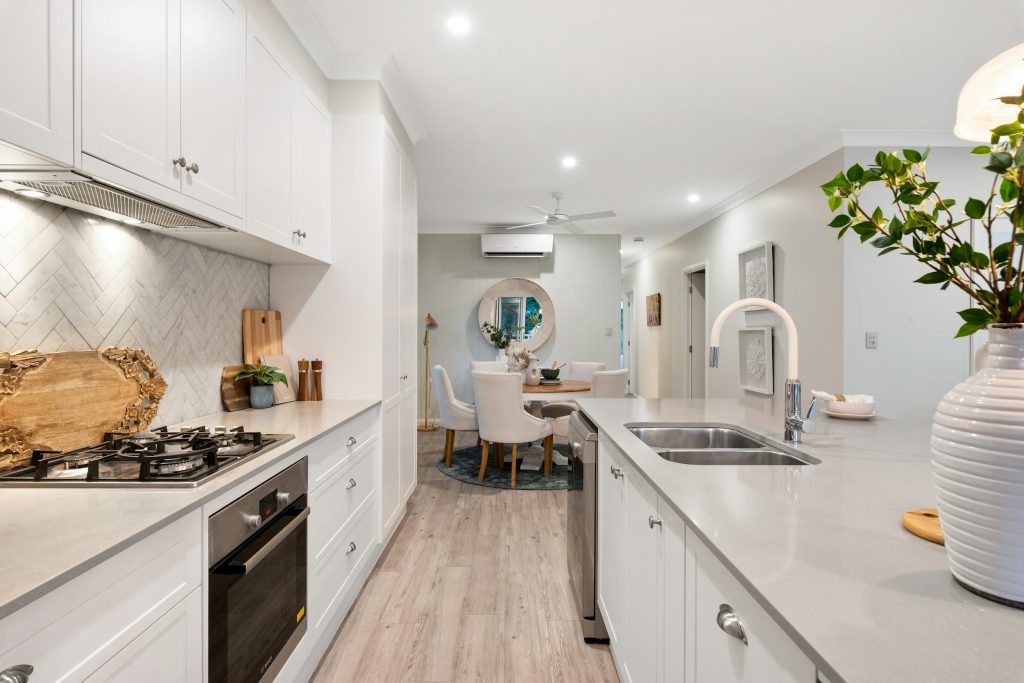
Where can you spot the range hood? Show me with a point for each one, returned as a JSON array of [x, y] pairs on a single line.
[[78, 191]]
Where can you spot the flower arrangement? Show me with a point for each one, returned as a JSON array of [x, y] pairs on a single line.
[[518, 358], [501, 338]]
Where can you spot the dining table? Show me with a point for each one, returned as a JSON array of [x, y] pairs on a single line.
[[566, 390]]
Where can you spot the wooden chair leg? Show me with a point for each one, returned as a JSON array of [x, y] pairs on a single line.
[[513, 465], [449, 446], [483, 461], [499, 456], [549, 444]]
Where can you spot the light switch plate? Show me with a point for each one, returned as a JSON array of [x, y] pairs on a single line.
[[871, 340]]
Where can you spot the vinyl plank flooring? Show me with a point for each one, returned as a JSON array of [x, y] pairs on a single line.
[[473, 587]]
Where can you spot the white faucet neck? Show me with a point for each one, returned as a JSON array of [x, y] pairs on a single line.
[[791, 334]]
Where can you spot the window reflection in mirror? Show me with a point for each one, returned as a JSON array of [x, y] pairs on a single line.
[[521, 315]]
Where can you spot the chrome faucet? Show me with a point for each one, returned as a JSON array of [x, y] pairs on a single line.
[[796, 423]]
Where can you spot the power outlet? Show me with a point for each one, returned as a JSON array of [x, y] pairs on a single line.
[[871, 340]]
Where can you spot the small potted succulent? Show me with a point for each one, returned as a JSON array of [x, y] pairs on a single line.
[[262, 379]]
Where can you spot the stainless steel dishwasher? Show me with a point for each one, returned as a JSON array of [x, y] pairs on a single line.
[[581, 529]]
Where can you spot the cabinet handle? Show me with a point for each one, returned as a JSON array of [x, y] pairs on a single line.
[[19, 673], [299, 233], [351, 484], [351, 548], [180, 161], [351, 441], [729, 622], [652, 522], [616, 471], [404, 377], [194, 168]]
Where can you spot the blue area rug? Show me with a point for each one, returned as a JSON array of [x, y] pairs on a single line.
[[466, 466]]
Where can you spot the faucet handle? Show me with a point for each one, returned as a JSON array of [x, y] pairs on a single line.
[[807, 425], [810, 408]]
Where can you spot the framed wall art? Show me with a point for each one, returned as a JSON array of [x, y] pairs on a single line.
[[757, 272], [756, 360], [654, 310]]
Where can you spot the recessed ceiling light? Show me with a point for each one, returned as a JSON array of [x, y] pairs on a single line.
[[459, 25], [693, 198], [34, 194], [569, 162]]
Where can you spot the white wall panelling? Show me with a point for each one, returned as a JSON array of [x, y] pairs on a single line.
[[71, 282]]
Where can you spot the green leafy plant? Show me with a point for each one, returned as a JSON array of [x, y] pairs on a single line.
[[925, 226], [261, 375], [501, 338]]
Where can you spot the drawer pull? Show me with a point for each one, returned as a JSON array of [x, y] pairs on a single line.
[[616, 471], [351, 548], [351, 441], [351, 484], [729, 622], [19, 673]]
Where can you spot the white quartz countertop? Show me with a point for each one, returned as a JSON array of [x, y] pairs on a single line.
[[822, 546], [50, 535]]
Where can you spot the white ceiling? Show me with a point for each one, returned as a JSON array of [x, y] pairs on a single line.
[[656, 99]]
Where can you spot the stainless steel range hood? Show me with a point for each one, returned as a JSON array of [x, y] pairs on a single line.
[[78, 191]]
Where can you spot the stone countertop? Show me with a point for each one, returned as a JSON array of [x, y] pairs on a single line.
[[822, 546], [50, 535]]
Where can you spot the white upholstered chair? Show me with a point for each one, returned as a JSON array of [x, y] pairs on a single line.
[[609, 383], [502, 420], [582, 370], [488, 366], [455, 415]]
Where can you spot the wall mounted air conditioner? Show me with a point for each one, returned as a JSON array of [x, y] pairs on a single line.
[[516, 246]]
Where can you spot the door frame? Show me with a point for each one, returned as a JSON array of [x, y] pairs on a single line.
[[629, 337], [688, 271]]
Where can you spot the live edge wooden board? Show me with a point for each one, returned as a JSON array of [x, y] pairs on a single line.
[[63, 401]]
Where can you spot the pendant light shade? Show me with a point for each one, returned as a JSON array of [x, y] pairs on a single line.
[[979, 110]]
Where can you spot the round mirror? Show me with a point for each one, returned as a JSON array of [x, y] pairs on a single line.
[[521, 309]]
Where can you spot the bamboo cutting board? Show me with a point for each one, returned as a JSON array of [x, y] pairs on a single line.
[[261, 334], [924, 522], [63, 401]]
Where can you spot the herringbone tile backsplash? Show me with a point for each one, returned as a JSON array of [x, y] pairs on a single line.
[[72, 282]]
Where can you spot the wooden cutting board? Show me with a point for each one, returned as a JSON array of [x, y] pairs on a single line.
[[63, 401], [261, 334], [234, 395], [924, 522]]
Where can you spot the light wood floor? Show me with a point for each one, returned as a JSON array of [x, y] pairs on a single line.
[[473, 587]]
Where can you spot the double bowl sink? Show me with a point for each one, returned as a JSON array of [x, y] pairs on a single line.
[[716, 444]]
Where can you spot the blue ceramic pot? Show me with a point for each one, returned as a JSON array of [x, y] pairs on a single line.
[[261, 396]]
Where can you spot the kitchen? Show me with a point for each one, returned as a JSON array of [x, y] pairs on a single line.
[[204, 197]]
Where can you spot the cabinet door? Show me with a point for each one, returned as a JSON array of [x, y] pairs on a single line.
[[768, 656], [311, 165], [640, 652], [672, 641], [169, 650], [390, 465], [213, 101], [36, 69], [611, 544], [131, 86], [391, 311], [411, 344], [268, 152]]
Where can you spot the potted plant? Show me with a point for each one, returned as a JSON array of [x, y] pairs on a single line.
[[262, 379], [978, 429], [499, 337]]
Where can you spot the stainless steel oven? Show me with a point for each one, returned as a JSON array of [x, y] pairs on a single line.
[[258, 579], [581, 531]]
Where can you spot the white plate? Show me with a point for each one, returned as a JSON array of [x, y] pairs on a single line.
[[850, 416]]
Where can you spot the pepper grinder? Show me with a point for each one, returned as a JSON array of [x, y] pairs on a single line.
[[303, 393], [317, 393]]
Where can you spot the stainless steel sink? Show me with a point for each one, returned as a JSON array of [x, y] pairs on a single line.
[[715, 444], [721, 456], [694, 437]]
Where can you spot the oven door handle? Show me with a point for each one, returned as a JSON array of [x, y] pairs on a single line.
[[261, 554]]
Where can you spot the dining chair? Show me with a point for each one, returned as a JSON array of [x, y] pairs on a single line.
[[609, 383], [582, 371], [502, 419], [488, 366], [455, 415]]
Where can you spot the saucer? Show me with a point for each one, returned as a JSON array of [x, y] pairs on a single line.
[[850, 416]]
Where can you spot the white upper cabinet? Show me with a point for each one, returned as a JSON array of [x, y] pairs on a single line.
[[131, 86], [269, 142], [36, 100], [311, 173], [213, 102]]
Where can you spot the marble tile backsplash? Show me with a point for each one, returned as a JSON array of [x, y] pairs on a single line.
[[72, 282]]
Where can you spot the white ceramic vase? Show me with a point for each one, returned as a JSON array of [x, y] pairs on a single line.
[[531, 375], [978, 469]]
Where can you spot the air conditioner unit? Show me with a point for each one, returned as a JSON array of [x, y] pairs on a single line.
[[517, 246]]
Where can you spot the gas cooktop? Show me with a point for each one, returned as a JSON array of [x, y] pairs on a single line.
[[182, 457]]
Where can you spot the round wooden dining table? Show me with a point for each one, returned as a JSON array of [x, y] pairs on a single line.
[[554, 393]]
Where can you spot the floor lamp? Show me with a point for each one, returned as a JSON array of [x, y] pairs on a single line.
[[429, 324]]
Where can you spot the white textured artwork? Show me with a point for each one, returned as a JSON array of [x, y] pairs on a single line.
[[756, 365], [756, 277], [757, 272], [757, 356]]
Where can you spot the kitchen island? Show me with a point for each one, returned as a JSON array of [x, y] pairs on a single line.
[[820, 547]]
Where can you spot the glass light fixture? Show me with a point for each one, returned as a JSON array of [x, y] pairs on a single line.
[[979, 109]]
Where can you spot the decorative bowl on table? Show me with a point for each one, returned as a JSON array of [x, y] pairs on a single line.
[[850, 408], [549, 373]]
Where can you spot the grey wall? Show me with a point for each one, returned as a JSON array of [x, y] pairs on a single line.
[[582, 278], [72, 282]]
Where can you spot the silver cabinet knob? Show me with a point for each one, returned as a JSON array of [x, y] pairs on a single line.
[[19, 673], [616, 471], [351, 484], [180, 161], [652, 522], [351, 548], [730, 622], [351, 441], [299, 233], [194, 168]]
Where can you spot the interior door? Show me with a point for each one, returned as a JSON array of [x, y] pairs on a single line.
[[698, 334], [131, 86], [36, 69], [213, 102], [411, 328]]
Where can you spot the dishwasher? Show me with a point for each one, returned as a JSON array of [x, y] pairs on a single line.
[[581, 526]]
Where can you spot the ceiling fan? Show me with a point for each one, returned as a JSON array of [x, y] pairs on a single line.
[[556, 217]]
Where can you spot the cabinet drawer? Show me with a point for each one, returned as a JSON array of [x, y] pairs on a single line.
[[70, 632], [330, 581], [332, 450], [768, 656], [333, 504]]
